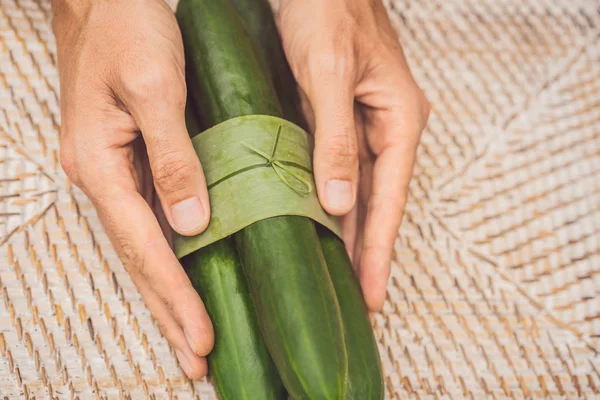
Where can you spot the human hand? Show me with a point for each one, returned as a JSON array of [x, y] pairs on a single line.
[[121, 69], [367, 113]]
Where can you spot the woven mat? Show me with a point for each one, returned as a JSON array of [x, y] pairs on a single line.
[[495, 287]]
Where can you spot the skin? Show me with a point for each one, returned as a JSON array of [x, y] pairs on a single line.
[[125, 144], [367, 114]]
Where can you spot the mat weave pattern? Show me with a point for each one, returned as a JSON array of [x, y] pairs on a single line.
[[495, 287]]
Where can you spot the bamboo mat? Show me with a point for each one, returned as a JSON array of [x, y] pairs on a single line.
[[495, 287]]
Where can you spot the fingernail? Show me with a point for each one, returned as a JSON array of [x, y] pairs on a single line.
[[190, 341], [339, 195], [183, 361], [187, 215]]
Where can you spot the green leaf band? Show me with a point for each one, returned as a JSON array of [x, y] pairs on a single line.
[[256, 167]]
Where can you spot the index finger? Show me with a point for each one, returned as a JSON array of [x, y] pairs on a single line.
[[143, 247], [391, 177], [137, 236]]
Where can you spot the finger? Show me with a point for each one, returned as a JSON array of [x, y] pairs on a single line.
[[351, 228], [364, 193], [307, 111], [156, 99], [391, 177], [349, 224], [331, 97], [396, 115], [146, 187], [146, 254], [194, 366]]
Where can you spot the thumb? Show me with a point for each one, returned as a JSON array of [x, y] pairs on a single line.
[[178, 177], [336, 144]]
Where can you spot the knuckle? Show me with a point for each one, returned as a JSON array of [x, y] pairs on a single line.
[[175, 93], [71, 162], [426, 112], [131, 258], [140, 84], [166, 299], [411, 112], [335, 61], [157, 81], [381, 201], [342, 150], [422, 104], [172, 173], [426, 106], [336, 57], [68, 164], [164, 327]]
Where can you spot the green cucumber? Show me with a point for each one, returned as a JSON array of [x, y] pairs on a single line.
[[281, 256], [260, 24], [239, 364], [298, 310], [191, 120], [365, 376]]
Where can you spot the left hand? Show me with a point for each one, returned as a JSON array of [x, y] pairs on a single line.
[[368, 112], [123, 141]]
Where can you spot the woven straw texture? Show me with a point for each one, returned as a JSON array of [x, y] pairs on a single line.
[[495, 287]]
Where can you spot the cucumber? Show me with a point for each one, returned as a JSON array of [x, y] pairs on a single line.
[[295, 300], [365, 376], [258, 19], [191, 120], [298, 310], [239, 364]]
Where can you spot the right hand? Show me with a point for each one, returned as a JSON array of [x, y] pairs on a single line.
[[121, 68], [367, 113]]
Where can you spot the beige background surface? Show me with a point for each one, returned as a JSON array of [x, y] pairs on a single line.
[[495, 287]]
